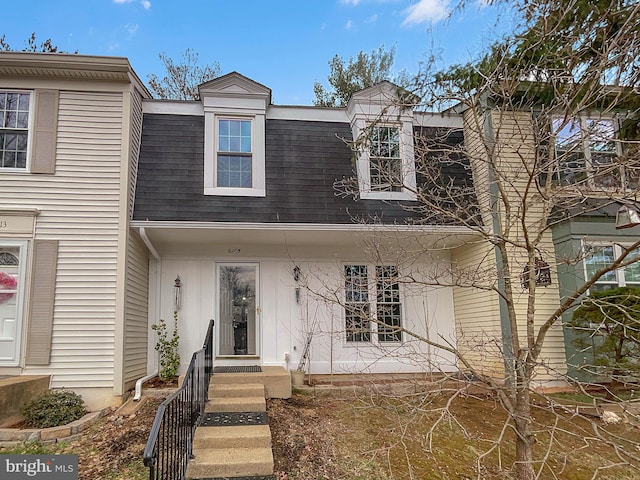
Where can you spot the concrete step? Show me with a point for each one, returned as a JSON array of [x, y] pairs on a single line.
[[236, 404], [230, 462], [276, 380], [236, 390], [243, 436]]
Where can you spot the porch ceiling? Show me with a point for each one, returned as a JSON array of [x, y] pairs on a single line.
[[195, 239]]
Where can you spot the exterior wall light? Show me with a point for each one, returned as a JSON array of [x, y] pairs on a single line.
[[176, 292], [627, 217], [543, 274]]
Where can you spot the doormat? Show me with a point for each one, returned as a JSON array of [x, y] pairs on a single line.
[[232, 419], [238, 369]]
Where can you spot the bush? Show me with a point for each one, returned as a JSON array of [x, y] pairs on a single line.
[[55, 408], [168, 348]]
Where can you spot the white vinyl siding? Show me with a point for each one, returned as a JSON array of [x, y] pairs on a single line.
[[79, 208], [134, 154]]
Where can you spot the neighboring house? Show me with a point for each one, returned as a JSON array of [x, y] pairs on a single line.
[[236, 196], [588, 188], [76, 275]]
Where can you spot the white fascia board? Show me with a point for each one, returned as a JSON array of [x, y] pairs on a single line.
[[318, 114], [356, 227], [434, 119], [173, 107]]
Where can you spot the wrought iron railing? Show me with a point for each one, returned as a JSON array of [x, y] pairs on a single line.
[[170, 442]]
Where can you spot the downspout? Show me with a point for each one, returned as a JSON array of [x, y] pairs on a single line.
[[494, 196], [154, 253]]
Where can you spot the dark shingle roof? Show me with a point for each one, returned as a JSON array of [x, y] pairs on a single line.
[[303, 160]]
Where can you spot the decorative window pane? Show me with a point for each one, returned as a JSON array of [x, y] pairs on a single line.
[[357, 310], [388, 304], [14, 129], [8, 283], [384, 160]]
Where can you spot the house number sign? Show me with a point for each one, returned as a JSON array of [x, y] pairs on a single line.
[[16, 224]]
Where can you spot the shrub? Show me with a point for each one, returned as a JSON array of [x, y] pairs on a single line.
[[607, 325], [168, 348], [55, 408]]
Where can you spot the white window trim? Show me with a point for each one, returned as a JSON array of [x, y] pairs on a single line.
[[619, 273], [407, 155], [373, 310], [211, 151], [30, 131]]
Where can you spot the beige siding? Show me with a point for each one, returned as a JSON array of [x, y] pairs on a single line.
[[136, 311], [516, 142], [79, 208], [477, 311]]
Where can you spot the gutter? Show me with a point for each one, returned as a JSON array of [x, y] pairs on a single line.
[[138, 391], [143, 235]]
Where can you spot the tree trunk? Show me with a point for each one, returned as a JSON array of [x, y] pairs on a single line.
[[524, 439]]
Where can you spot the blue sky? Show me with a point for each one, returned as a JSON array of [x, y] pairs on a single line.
[[285, 45]]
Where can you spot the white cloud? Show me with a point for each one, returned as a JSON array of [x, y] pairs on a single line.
[[349, 25], [350, 2], [146, 4], [131, 29], [372, 19], [426, 11]]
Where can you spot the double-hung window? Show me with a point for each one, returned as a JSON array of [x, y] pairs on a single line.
[[586, 152], [385, 162], [234, 155], [372, 307], [14, 129], [622, 277]]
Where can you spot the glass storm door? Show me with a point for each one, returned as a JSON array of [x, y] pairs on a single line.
[[10, 328], [237, 304]]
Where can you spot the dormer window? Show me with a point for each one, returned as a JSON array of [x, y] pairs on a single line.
[[383, 131], [234, 141]]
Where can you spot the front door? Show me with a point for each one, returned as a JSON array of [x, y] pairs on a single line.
[[11, 260], [237, 309]]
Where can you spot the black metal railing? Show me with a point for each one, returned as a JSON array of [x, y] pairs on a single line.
[[170, 442]]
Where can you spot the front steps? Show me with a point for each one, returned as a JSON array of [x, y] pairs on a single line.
[[234, 440]]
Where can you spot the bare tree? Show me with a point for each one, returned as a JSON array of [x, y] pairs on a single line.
[[31, 45], [182, 77], [551, 119]]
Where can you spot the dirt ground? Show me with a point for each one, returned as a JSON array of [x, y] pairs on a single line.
[[347, 435]]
